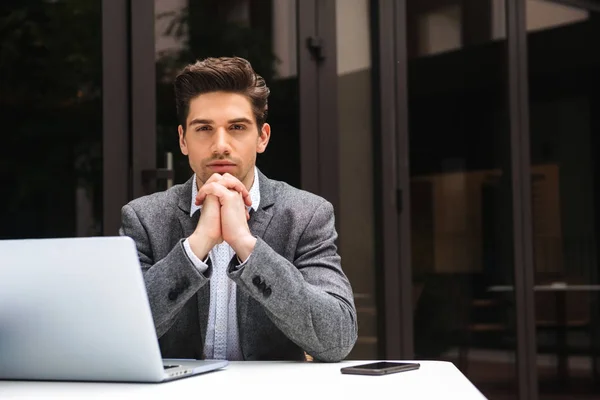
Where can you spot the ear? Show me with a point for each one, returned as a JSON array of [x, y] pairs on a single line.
[[263, 138], [182, 142]]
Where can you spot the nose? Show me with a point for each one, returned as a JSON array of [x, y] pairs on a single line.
[[221, 142]]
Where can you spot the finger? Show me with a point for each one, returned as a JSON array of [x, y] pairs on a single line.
[[228, 181], [233, 183], [247, 200], [247, 215], [216, 189], [240, 187], [213, 178], [205, 190], [233, 186], [210, 198]]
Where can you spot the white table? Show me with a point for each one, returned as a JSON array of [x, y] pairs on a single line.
[[269, 380]]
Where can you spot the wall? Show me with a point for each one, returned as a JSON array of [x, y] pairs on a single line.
[[440, 30]]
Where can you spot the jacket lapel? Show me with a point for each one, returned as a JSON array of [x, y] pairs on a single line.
[[188, 225], [259, 220], [258, 223]]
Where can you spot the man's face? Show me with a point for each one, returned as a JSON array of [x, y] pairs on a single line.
[[221, 136]]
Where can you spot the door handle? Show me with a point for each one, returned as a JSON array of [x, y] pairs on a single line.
[[316, 48]]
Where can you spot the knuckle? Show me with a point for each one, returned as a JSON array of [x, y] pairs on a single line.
[[215, 177], [226, 182]]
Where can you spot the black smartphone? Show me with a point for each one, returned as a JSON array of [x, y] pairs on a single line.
[[380, 368]]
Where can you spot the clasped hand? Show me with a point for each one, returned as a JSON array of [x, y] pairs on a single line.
[[224, 217]]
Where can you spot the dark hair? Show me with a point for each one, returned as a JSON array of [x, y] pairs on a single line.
[[224, 74]]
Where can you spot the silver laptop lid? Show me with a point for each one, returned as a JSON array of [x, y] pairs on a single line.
[[75, 309]]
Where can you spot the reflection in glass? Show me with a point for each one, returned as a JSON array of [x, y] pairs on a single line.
[[461, 192], [51, 143], [563, 71], [356, 216]]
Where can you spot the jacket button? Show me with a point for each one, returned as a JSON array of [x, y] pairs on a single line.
[[267, 292], [256, 280], [173, 295]]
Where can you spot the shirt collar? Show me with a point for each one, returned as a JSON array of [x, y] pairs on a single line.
[[254, 194]]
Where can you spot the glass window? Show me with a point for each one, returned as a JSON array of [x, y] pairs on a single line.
[[356, 213], [51, 99], [461, 192], [564, 126]]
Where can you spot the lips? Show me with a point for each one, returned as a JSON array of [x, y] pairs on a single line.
[[221, 167]]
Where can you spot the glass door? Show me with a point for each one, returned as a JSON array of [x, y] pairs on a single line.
[[564, 102], [51, 153], [356, 213], [461, 230]]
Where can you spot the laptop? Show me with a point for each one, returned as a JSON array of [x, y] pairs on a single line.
[[76, 309]]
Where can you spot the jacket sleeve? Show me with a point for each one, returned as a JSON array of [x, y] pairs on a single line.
[[309, 300], [171, 281]]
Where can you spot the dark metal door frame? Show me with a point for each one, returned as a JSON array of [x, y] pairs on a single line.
[[394, 194], [403, 181], [518, 93], [143, 98], [317, 73], [115, 112], [308, 47], [129, 104]]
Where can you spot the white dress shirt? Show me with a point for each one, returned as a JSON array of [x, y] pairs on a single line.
[[222, 338]]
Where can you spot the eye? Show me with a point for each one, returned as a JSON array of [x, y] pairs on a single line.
[[203, 128], [238, 127]]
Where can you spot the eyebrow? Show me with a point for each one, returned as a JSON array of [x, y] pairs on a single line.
[[199, 121], [240, 120]]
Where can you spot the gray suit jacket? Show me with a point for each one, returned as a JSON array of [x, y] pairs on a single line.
[[292, 294]]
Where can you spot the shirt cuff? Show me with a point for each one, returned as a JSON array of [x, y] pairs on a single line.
[[200, 265], [241, 264]]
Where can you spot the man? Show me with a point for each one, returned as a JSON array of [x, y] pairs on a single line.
[[238, 266]]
